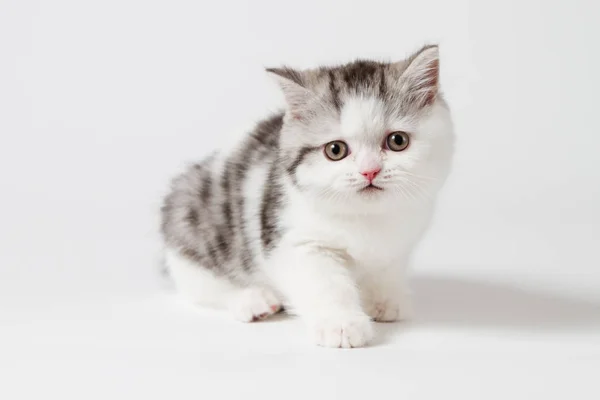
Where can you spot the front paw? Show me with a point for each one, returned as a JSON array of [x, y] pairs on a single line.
[[390, 310], [346, 331]]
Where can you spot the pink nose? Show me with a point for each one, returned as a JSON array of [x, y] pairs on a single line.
[[371, 174]]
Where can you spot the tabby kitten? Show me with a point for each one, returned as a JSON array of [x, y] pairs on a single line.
[[319, 208]]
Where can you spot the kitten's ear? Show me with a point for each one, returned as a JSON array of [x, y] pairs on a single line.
[[420, 79], [292, 84]]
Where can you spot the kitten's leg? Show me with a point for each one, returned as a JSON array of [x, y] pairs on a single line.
[[319, 286], [386, 295], [199, 285]]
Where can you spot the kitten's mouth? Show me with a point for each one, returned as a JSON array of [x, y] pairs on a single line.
[[371, 189]]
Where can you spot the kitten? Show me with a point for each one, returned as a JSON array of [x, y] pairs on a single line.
[[319, 208]]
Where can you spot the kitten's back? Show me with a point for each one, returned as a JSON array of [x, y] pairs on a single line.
[[206, 214]]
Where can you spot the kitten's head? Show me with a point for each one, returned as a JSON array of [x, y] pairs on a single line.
[[366, 133]]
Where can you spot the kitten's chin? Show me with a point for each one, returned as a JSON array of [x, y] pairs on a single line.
[[369, 200]]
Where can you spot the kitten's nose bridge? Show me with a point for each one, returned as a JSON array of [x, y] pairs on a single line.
[[369, 165]]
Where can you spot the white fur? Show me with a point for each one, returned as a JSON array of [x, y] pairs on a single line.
[[346, 254]]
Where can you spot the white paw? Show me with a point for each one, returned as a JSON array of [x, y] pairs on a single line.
[[343, 331], [254, 304], [391, 310]]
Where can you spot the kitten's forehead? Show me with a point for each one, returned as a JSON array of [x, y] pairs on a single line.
[[363, 117], [364, 92], [359, 78], [360, 100]]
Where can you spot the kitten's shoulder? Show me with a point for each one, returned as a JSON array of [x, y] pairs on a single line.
[[267, 132]]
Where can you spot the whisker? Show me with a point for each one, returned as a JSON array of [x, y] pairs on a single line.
[[418, 176]]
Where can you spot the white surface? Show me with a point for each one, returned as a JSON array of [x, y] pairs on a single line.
[[101, 102]]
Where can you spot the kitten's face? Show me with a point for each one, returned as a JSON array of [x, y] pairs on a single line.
[[366, 134]]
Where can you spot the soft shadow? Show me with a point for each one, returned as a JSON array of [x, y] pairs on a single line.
[[454, 302]]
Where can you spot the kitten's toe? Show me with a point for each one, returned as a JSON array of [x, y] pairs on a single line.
[[343, 331], [390, 311], [254, 304]]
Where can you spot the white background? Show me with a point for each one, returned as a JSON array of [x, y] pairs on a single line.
[[101, 102]]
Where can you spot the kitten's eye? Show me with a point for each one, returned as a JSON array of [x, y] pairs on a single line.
[[397, 141], [336, 150]]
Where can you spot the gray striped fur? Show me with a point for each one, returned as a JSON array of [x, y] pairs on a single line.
[[204, 214]]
